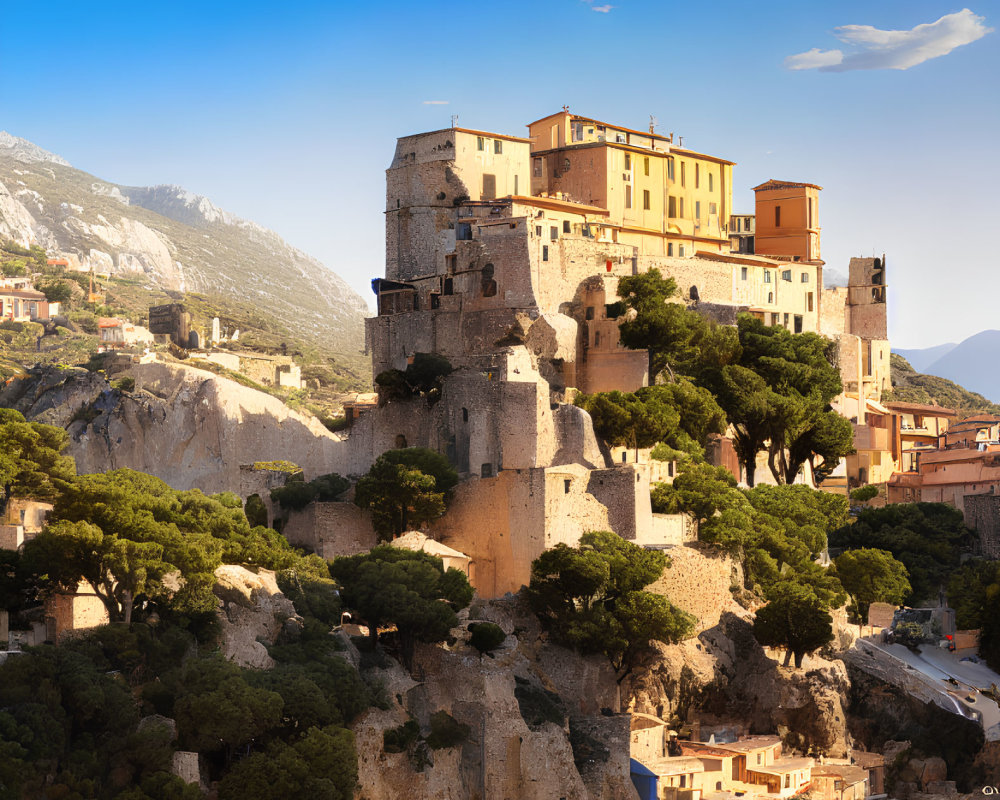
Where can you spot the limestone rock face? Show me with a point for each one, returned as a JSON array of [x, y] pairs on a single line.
[[553, 336], [724, 680], [251, 607], [186, 426], [509, 753]]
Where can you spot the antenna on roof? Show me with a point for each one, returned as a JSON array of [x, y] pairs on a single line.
[[566, 108], [454, 120], [653, 122], [680, 141]]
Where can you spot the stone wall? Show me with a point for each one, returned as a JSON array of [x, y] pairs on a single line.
[[982, 514], [698, 581], [331, 529], [69, 613]]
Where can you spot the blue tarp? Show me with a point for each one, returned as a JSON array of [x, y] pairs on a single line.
[[644, 780]]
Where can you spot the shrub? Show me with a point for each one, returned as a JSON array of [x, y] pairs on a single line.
[[401, 738], [446, 731], [126, 384], [864, 494], [256, 511], [486, 636]]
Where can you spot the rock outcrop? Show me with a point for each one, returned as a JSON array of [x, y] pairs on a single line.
[[252, 610], [533, 713], [189, 427]]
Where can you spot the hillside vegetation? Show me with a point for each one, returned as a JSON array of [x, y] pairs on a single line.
[[910, 386]]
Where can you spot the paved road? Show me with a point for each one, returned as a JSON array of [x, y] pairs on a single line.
[[955, 679]]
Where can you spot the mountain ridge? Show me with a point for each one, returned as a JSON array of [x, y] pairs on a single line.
[[174, 239]]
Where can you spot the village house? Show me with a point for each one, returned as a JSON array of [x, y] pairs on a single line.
[[116, 334], [835, 782], [21, 521], [26, 305]]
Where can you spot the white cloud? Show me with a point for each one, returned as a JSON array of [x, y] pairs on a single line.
[[878, 49], [601, 9], [436, 102]]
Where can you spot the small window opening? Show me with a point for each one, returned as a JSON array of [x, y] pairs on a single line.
[[589, 313], [400, 441], [486, 471], [545, 252], [624, 456], [566, 226], [465, 415], [566, 485]]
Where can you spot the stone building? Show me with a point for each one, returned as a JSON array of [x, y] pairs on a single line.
[[503, 255]]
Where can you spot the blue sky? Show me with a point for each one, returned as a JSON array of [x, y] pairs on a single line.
[[288, 115]]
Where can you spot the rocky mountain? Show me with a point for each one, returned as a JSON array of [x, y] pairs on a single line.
[[910, 386], [171, 238]]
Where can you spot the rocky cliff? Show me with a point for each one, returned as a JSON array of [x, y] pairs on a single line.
[[171, 238], [186, 426]]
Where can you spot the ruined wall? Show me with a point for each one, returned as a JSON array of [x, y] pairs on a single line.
[[833, 314], [331, 529]]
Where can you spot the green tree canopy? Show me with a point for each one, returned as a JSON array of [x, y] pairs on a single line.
[[928, 538], [411, 590], [796, 619], [592, 598], [405, 488], [31, 463], [872, 576], [124, 531]]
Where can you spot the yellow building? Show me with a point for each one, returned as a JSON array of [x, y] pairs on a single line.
[[662, 198]]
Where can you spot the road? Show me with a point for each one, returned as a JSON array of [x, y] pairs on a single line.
[[936, 666]]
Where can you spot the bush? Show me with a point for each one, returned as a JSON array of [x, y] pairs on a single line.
[[400, 739], [126, 384], [446, 731], [256, 511], [486, 636], [537, 705], [864, 494]]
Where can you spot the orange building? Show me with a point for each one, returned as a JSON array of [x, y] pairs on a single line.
[[787, 220]]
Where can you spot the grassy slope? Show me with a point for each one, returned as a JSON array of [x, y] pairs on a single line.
[[910, 386]]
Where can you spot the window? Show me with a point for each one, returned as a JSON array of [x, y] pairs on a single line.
[[758, 758], [670, 169], [786, 320], [798, 323], [597, 338], [589, 314], [786, 275], [577, 132], [645, 199], [486, 471], [680, 251], [566, 226], [497, 146], [713, 209], [489, 186], [645, 165], [545, 252], [553, 233], [672, 207], [449, 286], [805, 277], [463, 232], [624, 456], [670, 248], [770, 297], [697, 210], [680, 207], [566, 485], [777, 216], [711, 182], [767, 276], [538, 230], [628, 196], [480, 143], [683, 171], [537, 167], [809, 301], [697, 176], [775, 319], [743, 273], [628, 161]]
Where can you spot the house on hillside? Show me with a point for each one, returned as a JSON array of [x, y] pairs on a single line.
[[26, 305]]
